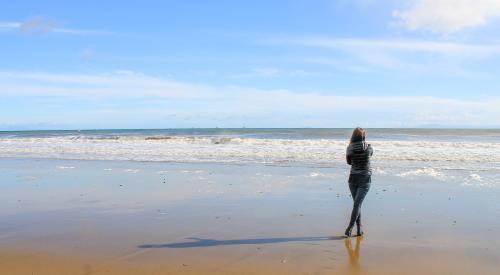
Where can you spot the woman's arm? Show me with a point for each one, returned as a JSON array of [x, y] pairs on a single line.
[[348, 157]]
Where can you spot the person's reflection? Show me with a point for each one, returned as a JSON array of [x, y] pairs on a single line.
[[353, 253]]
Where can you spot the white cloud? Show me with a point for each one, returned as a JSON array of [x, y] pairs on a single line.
[[447, 16], [270, 72], [424, 46], [271, 106], [122, 83], [40, 24], [10, 25], [403, 56]]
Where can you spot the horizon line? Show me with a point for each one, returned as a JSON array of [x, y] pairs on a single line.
[[251, 128]]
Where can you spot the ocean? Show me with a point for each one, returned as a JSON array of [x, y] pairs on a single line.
[[465, 156]]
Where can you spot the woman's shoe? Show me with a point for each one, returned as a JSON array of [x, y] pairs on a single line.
[[348, 231], [360, 230]]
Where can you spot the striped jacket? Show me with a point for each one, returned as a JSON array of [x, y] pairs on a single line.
[[358, 156]]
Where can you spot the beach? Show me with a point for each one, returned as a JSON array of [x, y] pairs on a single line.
[[250, 137], [80, 212]]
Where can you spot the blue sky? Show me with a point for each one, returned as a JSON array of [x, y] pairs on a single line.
[[164, 64]]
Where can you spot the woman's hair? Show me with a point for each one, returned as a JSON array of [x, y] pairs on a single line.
[[358, 134]]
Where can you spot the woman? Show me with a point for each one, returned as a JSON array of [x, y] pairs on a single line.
[[358, 156]]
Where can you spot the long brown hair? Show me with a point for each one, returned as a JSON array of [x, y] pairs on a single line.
[[358, 134]]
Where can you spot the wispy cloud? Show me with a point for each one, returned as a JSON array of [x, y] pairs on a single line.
[[272, 72], [349, 44], [408, 56], [447, 16], [40, 24], [277, 107], [122, 83]]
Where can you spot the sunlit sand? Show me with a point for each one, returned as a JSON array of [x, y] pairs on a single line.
[[100, 218]]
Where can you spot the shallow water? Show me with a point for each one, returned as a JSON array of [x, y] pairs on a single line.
[[464, 157]]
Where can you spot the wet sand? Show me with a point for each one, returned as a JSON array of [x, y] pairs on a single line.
[[112, 217]]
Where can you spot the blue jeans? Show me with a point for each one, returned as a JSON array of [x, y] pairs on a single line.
[[359, 185]]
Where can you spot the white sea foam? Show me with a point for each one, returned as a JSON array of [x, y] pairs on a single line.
[[476, 177], [379, 171], [321, 175], [468, 157], [210, 149], [466, 161], [66, 167], [477, 180], [133, 171], [162, 172], [429, 172]]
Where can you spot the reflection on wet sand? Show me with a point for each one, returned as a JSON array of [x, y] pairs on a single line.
[[353, 253]]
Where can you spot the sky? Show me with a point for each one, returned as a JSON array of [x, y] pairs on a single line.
[[181, 64]]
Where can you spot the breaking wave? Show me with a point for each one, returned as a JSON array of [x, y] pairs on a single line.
[[241, 149]]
